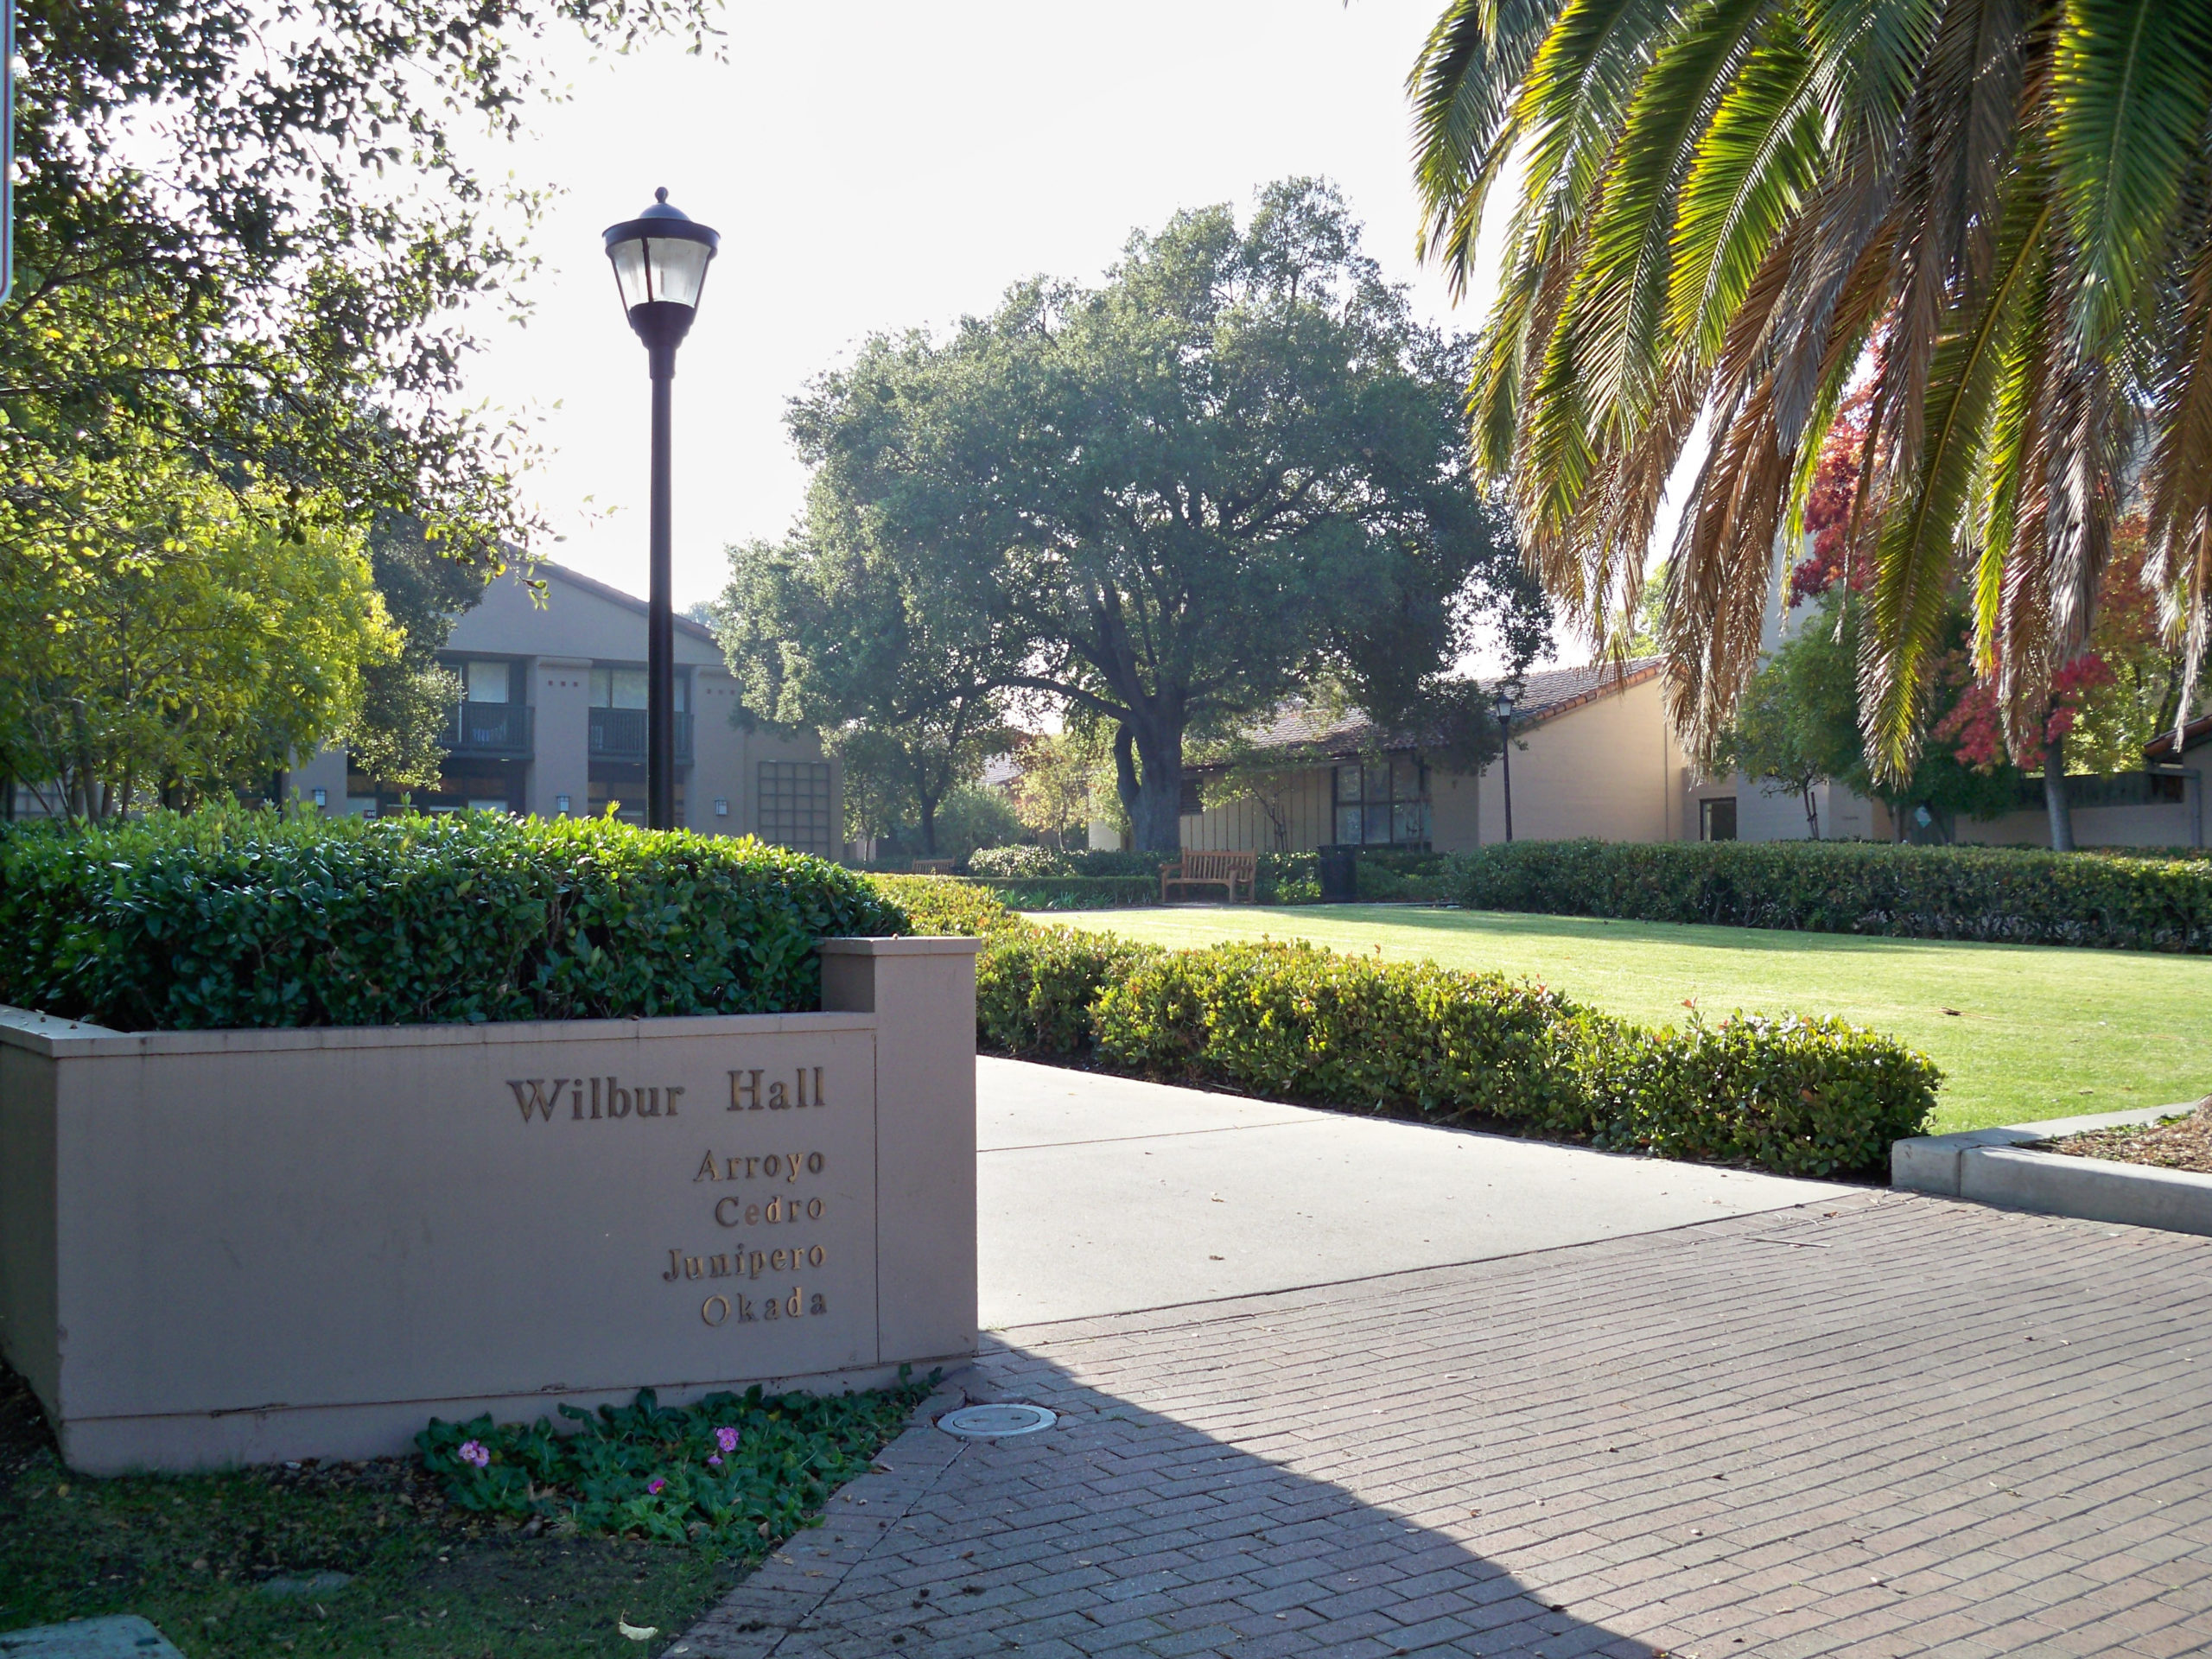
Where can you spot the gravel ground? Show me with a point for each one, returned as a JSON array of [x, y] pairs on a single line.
[[2177, 1143]]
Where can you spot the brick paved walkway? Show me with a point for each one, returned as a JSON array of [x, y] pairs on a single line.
[[1884, 1426]]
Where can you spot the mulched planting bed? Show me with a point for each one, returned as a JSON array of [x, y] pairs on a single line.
[[2177, 1143], [370, 1558]]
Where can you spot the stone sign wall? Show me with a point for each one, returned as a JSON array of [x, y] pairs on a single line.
[[241, 1246]]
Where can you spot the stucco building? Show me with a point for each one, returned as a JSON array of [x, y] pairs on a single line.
[[552, 723], [1595, 756]]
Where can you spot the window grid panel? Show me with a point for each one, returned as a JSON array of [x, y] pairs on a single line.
[[794, 805]]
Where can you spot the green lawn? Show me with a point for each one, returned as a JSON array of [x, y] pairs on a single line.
[[2038, 1032]]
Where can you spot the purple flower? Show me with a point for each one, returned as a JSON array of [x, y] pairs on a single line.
[[655, 1485], [473, 1452], [725, 1438], [714, 1461]]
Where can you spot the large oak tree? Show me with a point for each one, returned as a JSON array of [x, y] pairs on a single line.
[[1171, 501]]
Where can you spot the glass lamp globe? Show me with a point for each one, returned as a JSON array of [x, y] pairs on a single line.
[[660, 261]]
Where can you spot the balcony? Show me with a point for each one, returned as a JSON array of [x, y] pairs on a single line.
[[620, 734], [498, 730]]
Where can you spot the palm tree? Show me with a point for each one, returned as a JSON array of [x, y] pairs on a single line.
[[1732, 212]]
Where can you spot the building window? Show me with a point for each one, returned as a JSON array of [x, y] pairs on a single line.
[[1192, 803], [1716, 820], [488, 682], [794, 805], [1382, 803], [625, 687]]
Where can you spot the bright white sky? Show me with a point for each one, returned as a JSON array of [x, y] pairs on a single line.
[[873, 166]]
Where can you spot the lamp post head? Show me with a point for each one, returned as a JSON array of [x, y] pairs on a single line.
[[1503, 704], [660, 261]]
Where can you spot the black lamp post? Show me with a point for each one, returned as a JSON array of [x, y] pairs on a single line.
[[1504, 708], [660, 261]]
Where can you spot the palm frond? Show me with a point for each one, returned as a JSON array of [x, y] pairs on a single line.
[[1914, 557], [2180, 482]]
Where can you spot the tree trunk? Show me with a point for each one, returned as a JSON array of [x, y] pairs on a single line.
[[2054, 797], [1155, 804], [928, 826], [1812, 812]]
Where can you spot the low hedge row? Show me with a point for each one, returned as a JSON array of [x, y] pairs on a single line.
[[1799, 1096], [1072, 892], [236, 919], [2013, 895]]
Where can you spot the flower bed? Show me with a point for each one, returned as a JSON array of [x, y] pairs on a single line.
[[2177, 1143]]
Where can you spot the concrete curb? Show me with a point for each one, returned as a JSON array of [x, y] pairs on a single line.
[[1995, 1167]]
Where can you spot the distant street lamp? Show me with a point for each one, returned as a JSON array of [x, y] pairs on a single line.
[[660, 261], [1504, 708]]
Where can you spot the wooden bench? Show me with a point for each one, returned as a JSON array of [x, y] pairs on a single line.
[[930, 867], [1223, 870]]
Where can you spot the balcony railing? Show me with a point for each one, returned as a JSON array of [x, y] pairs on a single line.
[[490, 728], [620, 734]]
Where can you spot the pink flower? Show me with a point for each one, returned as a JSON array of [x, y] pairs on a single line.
[[714, 1460], [473, 1452], [655, 1485], [725, 1438]]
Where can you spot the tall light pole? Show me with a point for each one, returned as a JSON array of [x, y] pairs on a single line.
[[1504, 708], [660, 261]]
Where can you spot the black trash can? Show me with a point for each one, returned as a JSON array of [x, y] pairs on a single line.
[[1340, 874]]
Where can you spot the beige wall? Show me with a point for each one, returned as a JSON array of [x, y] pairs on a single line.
[[1607, 768], [239, 1246], [1241, 825]]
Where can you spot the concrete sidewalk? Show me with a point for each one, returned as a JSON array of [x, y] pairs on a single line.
[[1100, 1195]]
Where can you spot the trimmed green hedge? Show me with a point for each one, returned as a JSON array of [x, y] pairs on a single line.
[[945, 904], [224, 919], [2014, 895], [1798, 1097], [1072, 892]]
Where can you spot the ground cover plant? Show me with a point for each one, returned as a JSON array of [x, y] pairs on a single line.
[[2021, 1033], [249, 1561], [1799, 1096], [229, 918], [2009, 895]]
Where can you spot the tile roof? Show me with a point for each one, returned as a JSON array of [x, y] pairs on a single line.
[[1545, 693], [2196, 735]]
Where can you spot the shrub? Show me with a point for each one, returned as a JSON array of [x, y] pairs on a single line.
[[945, 904], [1389, 877], [1075, 892], [2014, 895], [1036, 990], [1798, 1097], [225, 919], [1288, 878], [1107, 862], [1297, 1019], [736, 1474], [1018, 861], [1803, 1097]]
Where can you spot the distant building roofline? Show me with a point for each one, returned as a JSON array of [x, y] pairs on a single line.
[[527, 567]]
